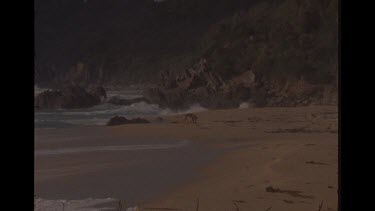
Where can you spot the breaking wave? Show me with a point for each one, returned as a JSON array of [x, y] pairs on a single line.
[[99, 115]]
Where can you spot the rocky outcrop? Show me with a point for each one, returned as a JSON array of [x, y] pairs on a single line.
[[49, 100], [119, 120], [69, 98], [99, 92], [201, 85], [278, 53]]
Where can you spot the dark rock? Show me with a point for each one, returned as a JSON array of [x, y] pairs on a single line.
[[78, 97], [119, 120], [99, 92], [49, 100], [201, 85], [69, 98]]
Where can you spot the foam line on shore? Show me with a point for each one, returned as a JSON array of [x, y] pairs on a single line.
[[73, 205], [110, 148]]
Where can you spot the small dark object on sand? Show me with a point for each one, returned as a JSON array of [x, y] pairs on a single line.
[[320, 206], [193, 118], [317, 163], [237, 208], [288, 201], [290, 192]]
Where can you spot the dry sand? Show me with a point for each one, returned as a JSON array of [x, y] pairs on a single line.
[[292, 150]]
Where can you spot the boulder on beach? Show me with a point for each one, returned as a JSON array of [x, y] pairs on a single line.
[[120, 120]]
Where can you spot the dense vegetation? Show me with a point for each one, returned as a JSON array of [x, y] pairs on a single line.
[[291, 46], [121, 41], [282, 40], [277, 53]]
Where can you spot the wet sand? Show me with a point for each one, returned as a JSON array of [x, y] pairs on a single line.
[[90, 162], [232, 160]]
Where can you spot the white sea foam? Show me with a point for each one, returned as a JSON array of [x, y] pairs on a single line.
[[244, 105], [141, 108], [110, 148], [100, 114], [125, 94], [38, 90], [193, 109], [73, 205]]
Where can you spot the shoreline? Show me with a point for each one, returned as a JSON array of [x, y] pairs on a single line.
[[259, 148]]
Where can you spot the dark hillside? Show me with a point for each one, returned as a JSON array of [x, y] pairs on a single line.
[[121, 41], [277, 53]]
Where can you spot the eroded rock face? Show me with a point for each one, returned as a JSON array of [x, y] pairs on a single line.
[[69, 97], [120, 120], [201, 85]]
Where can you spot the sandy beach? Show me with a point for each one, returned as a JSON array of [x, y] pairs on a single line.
[[237, 159]]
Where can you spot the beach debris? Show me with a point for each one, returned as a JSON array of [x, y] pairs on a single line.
[[239, 201], [197, 208], [268, 208], [237, 208], [316, 163], [271, 189], [310, 145], [288, 201], [193, 118], [304, 202], [320, 206]]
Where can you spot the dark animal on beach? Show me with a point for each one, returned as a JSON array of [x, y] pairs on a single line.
[[193, 118]]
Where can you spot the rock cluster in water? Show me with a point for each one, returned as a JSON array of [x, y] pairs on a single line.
[[70, 97]]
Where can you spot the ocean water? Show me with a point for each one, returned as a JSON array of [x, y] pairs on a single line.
[[173, 157], [100, 114]]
